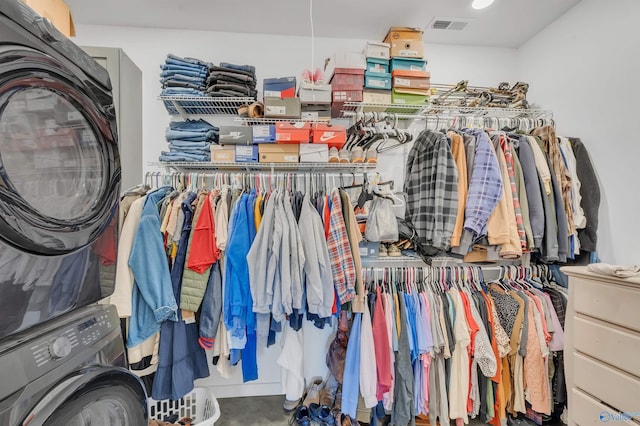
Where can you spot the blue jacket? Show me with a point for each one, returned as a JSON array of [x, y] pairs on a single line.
[[153, 299]]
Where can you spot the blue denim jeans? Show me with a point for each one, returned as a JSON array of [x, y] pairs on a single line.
[[174, 67], [183, 73], [182, 77], [175, 59], [246, 68], [189, 145], [189, 136], [192, 125], [179, 156], [181, 91]]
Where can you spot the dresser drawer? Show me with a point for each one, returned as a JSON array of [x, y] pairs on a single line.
[[617, 389], [613, 345], [606, 301], [587, 411]]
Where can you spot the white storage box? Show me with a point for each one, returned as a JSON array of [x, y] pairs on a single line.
[[375, 49], [199, 404]]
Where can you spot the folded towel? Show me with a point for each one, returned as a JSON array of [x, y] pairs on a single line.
[[615, 270]]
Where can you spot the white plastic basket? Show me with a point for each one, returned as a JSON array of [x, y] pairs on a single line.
[[199, 404]]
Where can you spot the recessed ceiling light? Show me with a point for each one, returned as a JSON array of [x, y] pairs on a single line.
[[481, 4]]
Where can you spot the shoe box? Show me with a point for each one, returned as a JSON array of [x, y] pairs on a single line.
[[405, 97], [316, 112], [371, 96], [279, 153], [264, 133], [246, 154], [405, 42], [380, 81], [293, 133], [314, 93], [408, 64], [377, 50], [283, 87], [314, 153], [332, 135], [235, 135], [222, 154], [347, 79], [377, 66], [282, 107], [418, 81]]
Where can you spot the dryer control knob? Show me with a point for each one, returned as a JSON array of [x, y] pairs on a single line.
[[59, 347]]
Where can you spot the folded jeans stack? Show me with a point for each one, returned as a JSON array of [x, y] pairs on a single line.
[[190, 141], [229, 80], [183, 76]]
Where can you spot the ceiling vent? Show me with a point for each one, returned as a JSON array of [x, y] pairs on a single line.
[[453, 24]]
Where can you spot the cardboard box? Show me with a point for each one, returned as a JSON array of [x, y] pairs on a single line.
[[314, 153], [376, 49], [282, 108], [246, 154], [293, 133], [405, 42], [332, 135], [377, 66], [221, 154], [316, 112], [235, 135], [347, 79], [377, 81], [368, 249], [311, 93], [411, 79], [408, 64], [55, 11], [370, 96], [279, 153], [343, 60], [264, 134], [398, 97], [283, 87]]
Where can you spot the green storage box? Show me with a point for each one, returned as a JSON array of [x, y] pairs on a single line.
[[408, 98]]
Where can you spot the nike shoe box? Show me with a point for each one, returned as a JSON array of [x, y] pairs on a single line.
[[284, 87], [264, 134], [332, 135], [235, 135], [293, 133]]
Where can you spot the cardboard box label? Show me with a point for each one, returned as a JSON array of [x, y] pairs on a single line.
[[399, 101], [408, 53], [310, 115], [283, 136], [272, 93], [364, 252], [377, 83], [291, 158], [403, 82], [245, 151], [276, 110], [261, 131], [416, 68]]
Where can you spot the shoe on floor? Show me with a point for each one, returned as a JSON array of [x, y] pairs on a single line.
[[322, 414], [313, 391], [289, 406], [300, 417]]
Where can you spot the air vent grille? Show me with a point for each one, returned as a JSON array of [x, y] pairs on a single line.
[[450, 24]]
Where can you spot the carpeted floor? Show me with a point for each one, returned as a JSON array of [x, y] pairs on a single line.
[[252, 411]]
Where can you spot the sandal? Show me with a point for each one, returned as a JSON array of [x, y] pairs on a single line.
[[256, 110], [243, 111]]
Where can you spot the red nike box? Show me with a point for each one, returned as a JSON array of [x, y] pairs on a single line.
[[332, 135]]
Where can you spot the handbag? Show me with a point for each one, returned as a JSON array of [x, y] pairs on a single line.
[[381, 223]]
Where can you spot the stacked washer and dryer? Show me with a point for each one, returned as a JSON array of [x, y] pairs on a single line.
[[62, 359]]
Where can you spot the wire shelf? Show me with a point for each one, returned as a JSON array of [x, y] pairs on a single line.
[[430, 111], [259, 121], [203, 105], [302, 167], [349, 109]]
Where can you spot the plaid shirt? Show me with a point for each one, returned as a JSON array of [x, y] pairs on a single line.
[[342, 267], [485, 187], [431, 185]]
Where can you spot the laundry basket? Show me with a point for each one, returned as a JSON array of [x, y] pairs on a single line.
[[200, 404]]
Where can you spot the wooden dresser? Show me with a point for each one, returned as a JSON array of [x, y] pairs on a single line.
[[602, 348]]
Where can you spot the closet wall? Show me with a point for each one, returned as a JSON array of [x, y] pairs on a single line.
[[273, 56], [584, 68]]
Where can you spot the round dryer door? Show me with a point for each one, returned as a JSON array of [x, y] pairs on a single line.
[[59, 164], [112, 405]]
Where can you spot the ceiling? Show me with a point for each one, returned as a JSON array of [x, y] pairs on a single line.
[[506, 23]]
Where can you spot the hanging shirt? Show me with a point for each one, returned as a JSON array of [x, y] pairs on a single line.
[[368, 375], [342, 267], [382, 345]]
